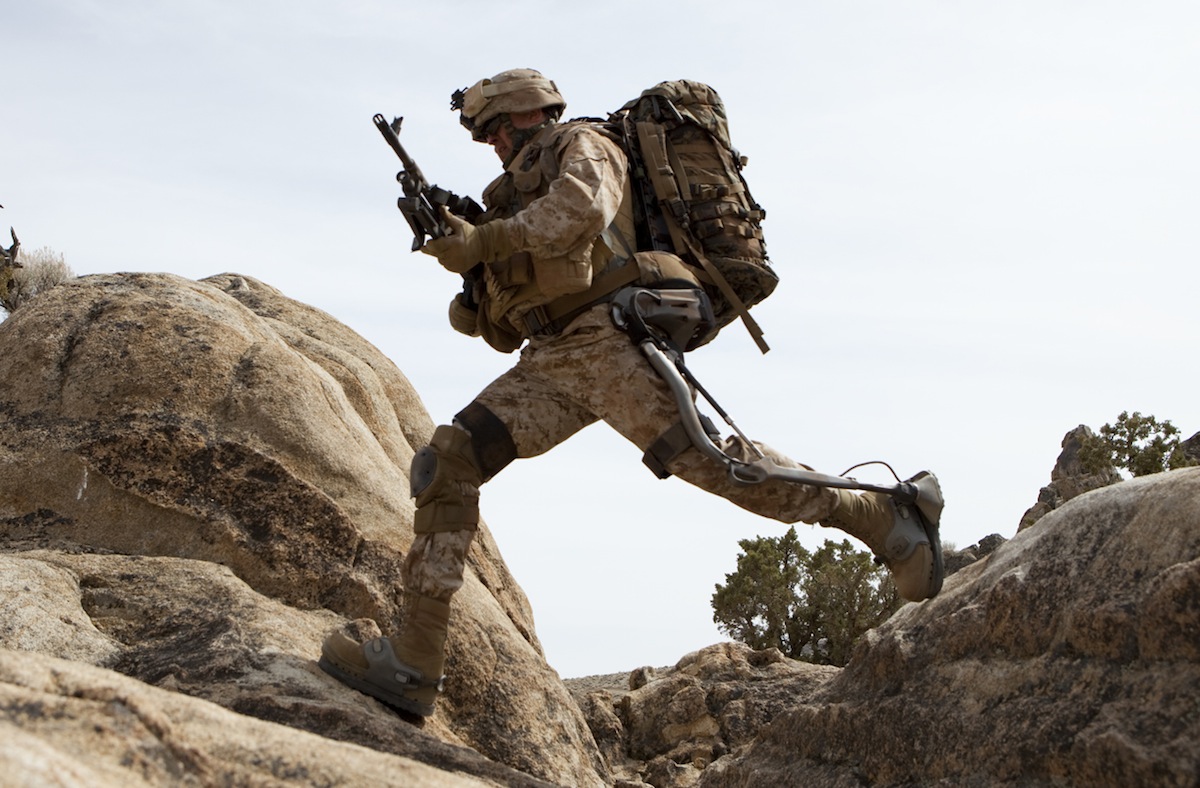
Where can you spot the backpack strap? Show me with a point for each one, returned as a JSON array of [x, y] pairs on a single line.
[[652, 140], [756, 332], [665, 174]]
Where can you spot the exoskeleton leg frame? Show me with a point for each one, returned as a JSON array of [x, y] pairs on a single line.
[[638, 312]]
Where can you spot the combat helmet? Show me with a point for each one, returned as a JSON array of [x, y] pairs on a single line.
[[515, 90]]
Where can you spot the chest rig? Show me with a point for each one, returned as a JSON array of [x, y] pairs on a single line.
[[539, 296]]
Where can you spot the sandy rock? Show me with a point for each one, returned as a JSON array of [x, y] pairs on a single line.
[[66, 723], [39, 611], [1068, 478], [192, 627], [198, 480], [957, 559], [251, 438], [671, 723], [1068, 657]]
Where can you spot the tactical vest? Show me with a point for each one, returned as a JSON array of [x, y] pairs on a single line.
[[527, 296], [522, 283]]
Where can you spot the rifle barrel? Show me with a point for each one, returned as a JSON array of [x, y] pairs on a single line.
[[389, 134]]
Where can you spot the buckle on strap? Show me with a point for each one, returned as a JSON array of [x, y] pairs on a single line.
[[537, 321]]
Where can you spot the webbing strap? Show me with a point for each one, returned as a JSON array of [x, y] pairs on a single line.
[[685, 186], [490, 439], [672, 443], [653, 142], [739, 307], [440, 517], [665, 448], [559, 310]]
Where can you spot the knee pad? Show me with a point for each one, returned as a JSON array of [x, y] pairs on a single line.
[[444, 480]]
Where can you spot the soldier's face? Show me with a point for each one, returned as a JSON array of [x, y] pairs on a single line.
[[501, 141], [500, 138]]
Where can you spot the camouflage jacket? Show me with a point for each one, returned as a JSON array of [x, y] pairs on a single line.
[[562, 191]]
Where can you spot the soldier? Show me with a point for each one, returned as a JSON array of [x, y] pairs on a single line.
[[545, 259]]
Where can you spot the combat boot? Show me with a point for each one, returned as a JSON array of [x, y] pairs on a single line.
[[904, 537], [405, 670]]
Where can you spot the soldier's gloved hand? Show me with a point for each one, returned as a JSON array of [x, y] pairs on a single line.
[[463, 318], [468, 244]]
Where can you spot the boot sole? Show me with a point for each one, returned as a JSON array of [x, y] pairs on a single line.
[[929, 512], [938, 572], [351, 679]]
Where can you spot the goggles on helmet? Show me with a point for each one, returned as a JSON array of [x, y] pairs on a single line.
[[479, 131]]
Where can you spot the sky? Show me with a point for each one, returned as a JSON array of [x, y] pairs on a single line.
[[984, 215]]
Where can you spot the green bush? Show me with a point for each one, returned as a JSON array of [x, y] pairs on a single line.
[[812, 606], [1139, 444]]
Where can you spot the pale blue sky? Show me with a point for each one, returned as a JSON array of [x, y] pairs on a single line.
[[984, 215]]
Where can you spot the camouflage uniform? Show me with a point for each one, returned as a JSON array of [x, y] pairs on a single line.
[[591, 370], [557, 234]]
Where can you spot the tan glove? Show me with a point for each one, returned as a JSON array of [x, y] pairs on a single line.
[[463, 318], [468, 244]]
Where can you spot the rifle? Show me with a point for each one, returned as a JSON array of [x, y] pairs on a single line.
[[422, 202]]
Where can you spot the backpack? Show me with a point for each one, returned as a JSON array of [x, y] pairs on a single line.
[[690, 196]]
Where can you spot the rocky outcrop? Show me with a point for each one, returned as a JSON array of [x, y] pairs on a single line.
[[198, 480], [666, 726], [957, 559], [194, 628], [1191, 448], [1068, 479], [68, 723], [203, 478], [1070, 656]]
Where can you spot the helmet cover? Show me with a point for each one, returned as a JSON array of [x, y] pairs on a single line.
[[515, 90]]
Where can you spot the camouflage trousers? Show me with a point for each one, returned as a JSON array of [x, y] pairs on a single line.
[[593, 372]]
